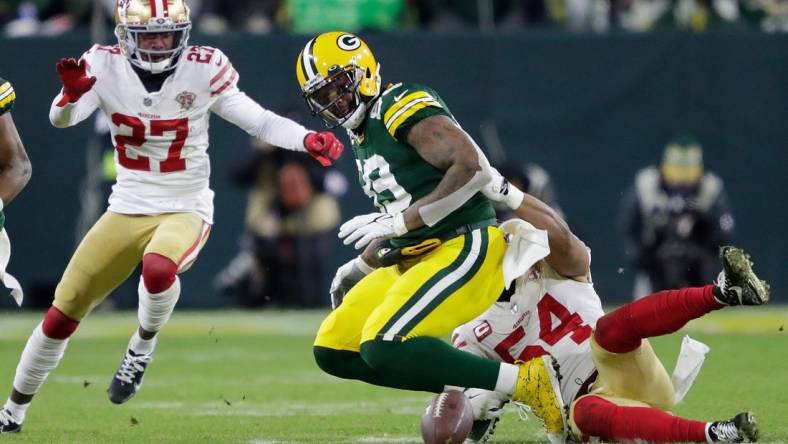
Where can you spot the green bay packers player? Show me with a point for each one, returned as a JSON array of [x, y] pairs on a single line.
[[158, 93], [424, 174], [15, 172]]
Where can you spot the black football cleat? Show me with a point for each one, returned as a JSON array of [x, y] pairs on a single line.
[[482, 430], [742, 428], [128, 379], [737, 283], [8, 424]]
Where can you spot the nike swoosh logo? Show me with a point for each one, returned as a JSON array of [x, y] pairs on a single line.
[[396, 98]]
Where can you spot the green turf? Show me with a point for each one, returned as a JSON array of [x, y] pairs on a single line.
[[248, 377]]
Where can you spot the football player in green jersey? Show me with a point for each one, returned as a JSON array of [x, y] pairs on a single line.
[[424, 174], [14, 164], [14, 173]]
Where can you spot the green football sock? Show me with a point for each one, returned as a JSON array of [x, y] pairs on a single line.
[[429, 362], [349, 365]]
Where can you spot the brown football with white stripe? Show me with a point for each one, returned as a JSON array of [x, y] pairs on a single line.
[[448, 419]]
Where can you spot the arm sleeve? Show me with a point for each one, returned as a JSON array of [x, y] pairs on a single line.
[[237, 108], [233, 105], [63, 115]]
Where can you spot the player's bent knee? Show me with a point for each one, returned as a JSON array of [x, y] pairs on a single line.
[[612, 332], [379, 354], [158, 272], [328, 360], [585, 415], [334, 362], [57, 325]]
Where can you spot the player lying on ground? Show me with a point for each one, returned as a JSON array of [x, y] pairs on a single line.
[[424, 174], [615, 385], [158, 94], [547, 312]]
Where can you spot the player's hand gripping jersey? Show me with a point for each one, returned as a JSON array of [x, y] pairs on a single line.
[[547, 313], [161, 138]]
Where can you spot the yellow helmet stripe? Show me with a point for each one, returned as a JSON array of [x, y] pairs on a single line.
[[308, 67], [411, 110]]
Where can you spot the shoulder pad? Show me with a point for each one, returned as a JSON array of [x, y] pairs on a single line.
[[403, 100], [7, 96]]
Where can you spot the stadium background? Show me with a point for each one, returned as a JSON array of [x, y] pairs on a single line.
[[591, 109]]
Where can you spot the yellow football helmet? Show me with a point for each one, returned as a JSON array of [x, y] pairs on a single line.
[[338, 76], [136, 17]]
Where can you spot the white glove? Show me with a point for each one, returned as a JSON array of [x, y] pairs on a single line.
[[499, 189], [347, 276], [368, 227]]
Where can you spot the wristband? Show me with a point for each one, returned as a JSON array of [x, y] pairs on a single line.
[[513, 197]]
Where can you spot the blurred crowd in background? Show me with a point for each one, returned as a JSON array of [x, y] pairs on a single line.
[[671, 221], [20, 18]]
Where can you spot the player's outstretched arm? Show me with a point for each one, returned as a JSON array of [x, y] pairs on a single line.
[[237, 108], [568, 254], [76, 100], [15, 169], [444, 145]]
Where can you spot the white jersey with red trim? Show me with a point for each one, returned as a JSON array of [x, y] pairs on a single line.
[[547, 313], [161, 138]]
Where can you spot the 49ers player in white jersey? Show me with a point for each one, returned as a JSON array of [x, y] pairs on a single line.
[[158, 94], [613, 385]]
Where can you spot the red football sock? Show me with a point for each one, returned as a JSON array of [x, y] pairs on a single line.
[[621, 330], [597, 417]]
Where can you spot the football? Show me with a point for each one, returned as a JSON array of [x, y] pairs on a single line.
[[448, 419]]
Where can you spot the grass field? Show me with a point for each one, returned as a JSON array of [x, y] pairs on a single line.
[[248, 377]]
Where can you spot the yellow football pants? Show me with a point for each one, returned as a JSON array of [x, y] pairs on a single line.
[[448, 287], [113, 248]]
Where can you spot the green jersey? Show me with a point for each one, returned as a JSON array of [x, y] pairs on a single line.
[[393, 173], [7, 97]]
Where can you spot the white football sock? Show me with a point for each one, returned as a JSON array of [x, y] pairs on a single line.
[[507, 378], [142, 346], [40, 356], [155, 308], [17, 411]]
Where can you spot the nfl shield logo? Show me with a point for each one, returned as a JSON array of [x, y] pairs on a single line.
[[147, 101], [186, 99]]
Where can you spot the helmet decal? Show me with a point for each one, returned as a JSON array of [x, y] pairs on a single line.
[[308, 60], [348, 42]]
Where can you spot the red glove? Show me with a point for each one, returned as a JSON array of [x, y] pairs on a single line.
[[74, 77], [323, 146]]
